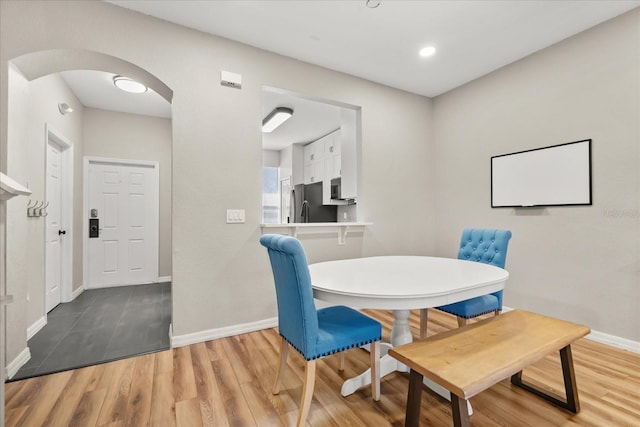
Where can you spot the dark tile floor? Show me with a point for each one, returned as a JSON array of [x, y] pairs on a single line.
[[101, 325]]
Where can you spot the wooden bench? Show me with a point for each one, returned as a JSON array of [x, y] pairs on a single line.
[[472, 358]]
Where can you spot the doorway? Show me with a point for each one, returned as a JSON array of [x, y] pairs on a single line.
[[29, 68], [122, 233], [58, 218]]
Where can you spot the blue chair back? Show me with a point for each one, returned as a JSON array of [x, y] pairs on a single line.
[[297, 315], [485, 245]]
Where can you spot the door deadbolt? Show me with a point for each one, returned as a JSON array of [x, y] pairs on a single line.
[[94, 228]]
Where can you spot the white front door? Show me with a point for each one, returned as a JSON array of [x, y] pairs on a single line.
[[54, 233], [123, 201]]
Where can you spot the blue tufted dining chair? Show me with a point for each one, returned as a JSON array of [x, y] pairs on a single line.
[[313, 333], [480, 245]]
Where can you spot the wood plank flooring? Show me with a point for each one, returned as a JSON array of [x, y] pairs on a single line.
[[227, 382]]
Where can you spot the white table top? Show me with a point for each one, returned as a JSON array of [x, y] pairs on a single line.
[[403, 282]]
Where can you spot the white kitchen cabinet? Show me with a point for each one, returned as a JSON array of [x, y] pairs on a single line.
[[323, 162], [314, 155], [333, 158], [332, 144], [314, 172], [337, 166], [314, 152]]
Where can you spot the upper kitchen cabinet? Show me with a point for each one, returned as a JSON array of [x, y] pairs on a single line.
[[333, 159], [314, 162]]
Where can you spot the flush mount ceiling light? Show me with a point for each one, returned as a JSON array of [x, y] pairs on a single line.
[[64, 108], [129, 85], [427, 51], [372, 4], [275, 118]]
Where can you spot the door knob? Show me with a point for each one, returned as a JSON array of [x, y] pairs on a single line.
[[62, 232]]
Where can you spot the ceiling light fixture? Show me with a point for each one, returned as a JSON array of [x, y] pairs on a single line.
[[372, 4], [427, 51], [129, 85], [275, 118], [64, 108]]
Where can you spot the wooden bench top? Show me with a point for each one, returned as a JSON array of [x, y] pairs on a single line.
[[471, 359]]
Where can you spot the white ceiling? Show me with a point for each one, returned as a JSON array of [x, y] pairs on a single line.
[[472, 39], [311, 119], [95, 89]]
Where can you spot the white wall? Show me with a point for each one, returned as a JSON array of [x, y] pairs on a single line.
[[576, 263], [270, 158], [35, 103], [17, 232], [131, 136], [221, 275]]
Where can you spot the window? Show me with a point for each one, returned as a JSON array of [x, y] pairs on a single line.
[[270, 195]]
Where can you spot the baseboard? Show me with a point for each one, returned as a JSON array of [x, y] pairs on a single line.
[[212, 334], [35, 328], [614, 341], [602, 338], [163, 279], [77, 292], [18, 362]]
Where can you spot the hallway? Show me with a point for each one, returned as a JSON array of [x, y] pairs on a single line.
[[101, 325]]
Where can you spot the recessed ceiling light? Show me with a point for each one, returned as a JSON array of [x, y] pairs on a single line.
[[129, 85], [427, 51]]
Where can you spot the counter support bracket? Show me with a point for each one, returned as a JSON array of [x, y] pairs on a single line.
[[296, 229]]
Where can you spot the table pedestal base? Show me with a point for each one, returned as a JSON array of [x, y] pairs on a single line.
[[400, 334]]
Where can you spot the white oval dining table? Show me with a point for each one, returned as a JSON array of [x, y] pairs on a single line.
[[400, 284]]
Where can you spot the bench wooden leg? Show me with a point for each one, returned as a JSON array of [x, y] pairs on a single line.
[[414, 398], [571, 401], [459, 411]]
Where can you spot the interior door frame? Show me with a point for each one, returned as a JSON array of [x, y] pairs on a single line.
[[66, 213], [85, 203]]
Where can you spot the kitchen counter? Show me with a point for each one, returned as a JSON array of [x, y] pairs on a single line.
[[296, 228]]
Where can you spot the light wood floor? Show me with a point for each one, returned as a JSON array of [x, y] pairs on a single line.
[[227, 382]]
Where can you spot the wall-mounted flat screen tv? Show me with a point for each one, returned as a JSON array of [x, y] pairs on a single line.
[[558, 175]]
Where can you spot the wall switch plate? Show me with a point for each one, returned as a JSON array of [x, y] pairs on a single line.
[[235, 216]]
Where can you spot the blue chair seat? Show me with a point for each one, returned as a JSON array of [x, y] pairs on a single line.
[[334, 337]]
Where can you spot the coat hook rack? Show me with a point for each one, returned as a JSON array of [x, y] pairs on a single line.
[[37, 209]]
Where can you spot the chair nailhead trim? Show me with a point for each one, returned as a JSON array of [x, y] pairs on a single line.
[[466, 317], [331, 352]]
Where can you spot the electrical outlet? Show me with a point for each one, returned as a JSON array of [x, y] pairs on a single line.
[[235, 216]]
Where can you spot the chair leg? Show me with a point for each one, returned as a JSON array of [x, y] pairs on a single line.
[[341, 368], [375, 370], [423, 323], [497, 312], [284, 352], [307, 392], [462, 321]]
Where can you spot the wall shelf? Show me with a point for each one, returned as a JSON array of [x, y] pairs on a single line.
[[295, 229], [10, 188]]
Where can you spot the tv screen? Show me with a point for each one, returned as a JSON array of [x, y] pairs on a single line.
[[558, 175]]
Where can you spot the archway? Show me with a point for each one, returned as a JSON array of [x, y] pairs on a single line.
[[33, 66]]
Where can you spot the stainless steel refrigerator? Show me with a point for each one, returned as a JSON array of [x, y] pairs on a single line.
[[306, 205]]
